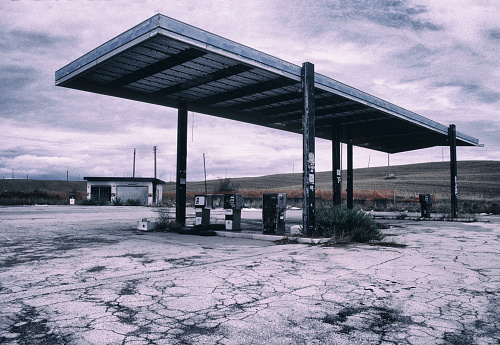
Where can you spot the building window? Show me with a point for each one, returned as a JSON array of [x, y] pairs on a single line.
[[101, 193]]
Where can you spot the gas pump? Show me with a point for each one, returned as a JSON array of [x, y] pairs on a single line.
[[273, 213], [426, 201], [232, 210], [202, 205]]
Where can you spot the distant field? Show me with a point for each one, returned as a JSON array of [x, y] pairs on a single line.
[[49, 186], [477, 180]]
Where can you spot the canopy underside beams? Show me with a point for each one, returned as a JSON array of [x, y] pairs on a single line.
[[165, 62]]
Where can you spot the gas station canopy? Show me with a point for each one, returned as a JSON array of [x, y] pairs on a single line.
[[166, 62]]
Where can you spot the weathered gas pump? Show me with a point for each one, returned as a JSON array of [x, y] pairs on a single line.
[[232, 210], [273, 213], [202, 205], [426, 201]]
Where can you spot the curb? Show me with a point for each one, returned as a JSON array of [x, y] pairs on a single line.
[[271, 238], [420, 219]]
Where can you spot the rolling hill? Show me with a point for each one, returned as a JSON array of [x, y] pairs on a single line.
[[477, 180]]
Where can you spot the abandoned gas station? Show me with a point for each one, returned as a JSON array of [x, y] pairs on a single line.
[[166, 62]]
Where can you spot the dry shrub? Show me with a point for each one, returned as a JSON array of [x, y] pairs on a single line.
[[346, 225]]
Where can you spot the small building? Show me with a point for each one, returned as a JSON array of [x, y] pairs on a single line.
[[148, 191]]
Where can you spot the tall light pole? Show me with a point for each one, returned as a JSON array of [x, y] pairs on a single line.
[[154, 150], [133, 170]]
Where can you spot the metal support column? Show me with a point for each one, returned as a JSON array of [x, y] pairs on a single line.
[[308, 158], [452, 138], [350, 177], [180, 182], [336, 166]]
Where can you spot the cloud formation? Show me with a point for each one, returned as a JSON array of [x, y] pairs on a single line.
[[439, 59]]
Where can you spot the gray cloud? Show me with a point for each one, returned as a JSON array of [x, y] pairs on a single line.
[[417, 56], [15, 94], [26, 78], [395, 14], [11, 153], [488, 96], [481, 93], [16, 77], [23, 41], [493, 34]]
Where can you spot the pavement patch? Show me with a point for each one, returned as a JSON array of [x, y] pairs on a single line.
[[29, 327], [96, 269]]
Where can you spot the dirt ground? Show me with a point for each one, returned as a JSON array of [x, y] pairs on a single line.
[[85, 275]]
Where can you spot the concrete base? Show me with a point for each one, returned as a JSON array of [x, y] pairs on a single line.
[[272, 238], [296, 230]]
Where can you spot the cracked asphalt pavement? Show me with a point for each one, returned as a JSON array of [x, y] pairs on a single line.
[[85, 275]]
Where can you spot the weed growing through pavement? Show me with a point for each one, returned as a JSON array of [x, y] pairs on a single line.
[[166, 220], [346, 225]]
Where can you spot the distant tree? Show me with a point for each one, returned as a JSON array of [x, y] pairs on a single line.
[[225, 185]]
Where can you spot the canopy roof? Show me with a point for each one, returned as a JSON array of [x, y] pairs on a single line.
[[167, 62], [124, 179]]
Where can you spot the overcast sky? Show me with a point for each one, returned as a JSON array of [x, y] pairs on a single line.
[[439, 59]]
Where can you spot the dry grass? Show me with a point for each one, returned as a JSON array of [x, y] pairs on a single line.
[[478, 183], [477, 180]]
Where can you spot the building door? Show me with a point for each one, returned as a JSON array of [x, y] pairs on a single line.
[[100, 193], [133, 193]]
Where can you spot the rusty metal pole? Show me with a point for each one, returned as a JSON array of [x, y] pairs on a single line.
[[336, 166], [180, 183], [308, 158], [452, 137]]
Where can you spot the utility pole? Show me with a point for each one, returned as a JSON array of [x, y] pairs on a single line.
[[388, 166], [133, 171], [154, 150], [205, 170]]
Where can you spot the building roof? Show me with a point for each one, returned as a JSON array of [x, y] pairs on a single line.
[[167, 62], [125, 179]]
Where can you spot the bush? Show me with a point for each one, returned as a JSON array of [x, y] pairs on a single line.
[[117, 202], [165, 220], [225, 185], [93, 202], [346, 225], [133, 202]]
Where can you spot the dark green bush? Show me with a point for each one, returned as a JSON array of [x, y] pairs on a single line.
[[93, 202], [117, 202], [133, 202], [346, 225], [225, 185]]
